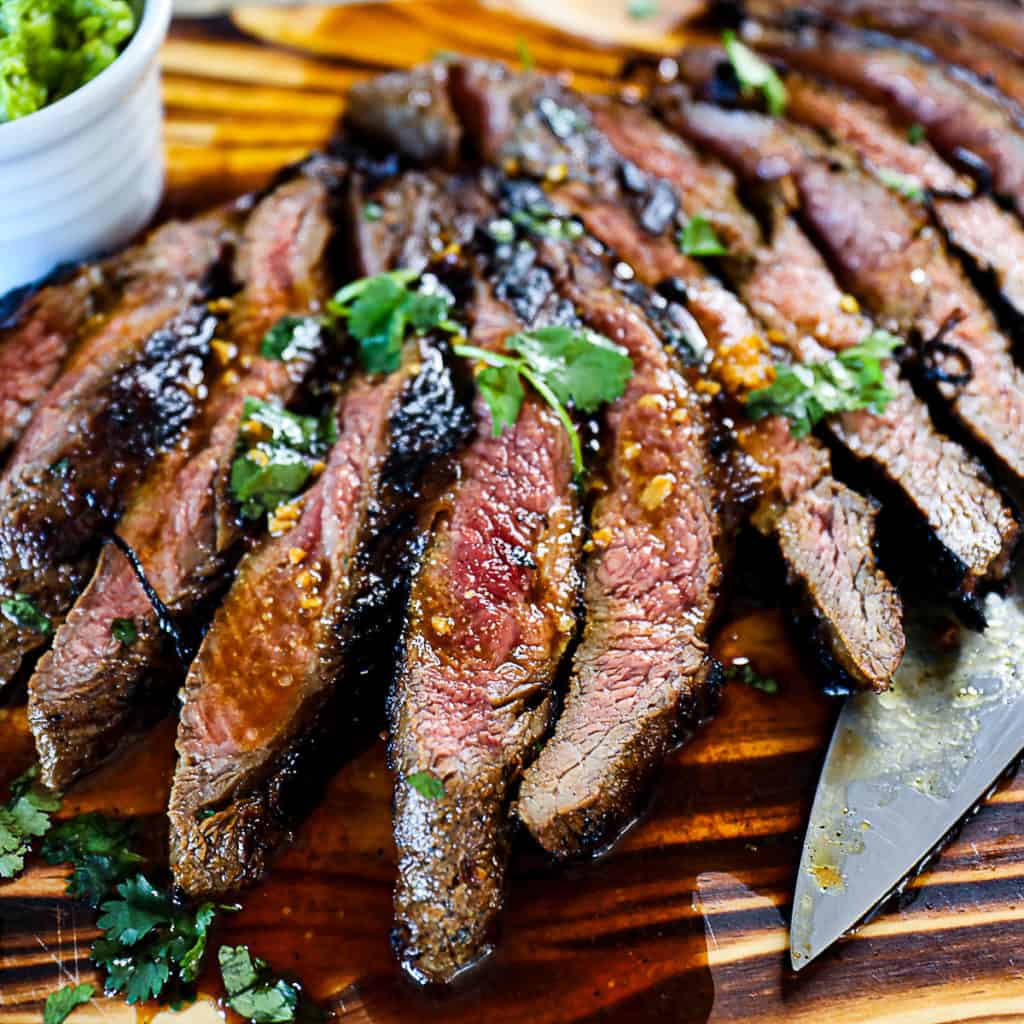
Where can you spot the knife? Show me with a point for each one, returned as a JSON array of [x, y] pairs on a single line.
[[905, 767]]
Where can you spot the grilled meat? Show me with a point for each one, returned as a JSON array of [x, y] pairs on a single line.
[[181, 524], [967, 125], [129, 391], [990, 237], [258, 703], [886, 253]]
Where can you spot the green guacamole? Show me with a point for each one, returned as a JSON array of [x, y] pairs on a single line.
[[48, 48]]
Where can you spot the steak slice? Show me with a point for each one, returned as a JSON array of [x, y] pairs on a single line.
[[266, 679], [125, 396], [789, 468], [885, 251], [491, 613], [90, 689], [652, 584], [963, 122], [991, 238], [261, 705]]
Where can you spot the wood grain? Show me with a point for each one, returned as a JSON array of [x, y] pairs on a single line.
[[685, 920]]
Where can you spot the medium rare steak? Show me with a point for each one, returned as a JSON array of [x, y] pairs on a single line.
[[652, 583], [181, 524], [491, 613], [964, 123], [258, 706], [990, 237], [885, 251], [130, 389]]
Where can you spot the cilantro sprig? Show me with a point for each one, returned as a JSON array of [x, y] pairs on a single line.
[[98, 849], [380, 310], [59, 1004], [255, 993], [150, 947], [427, 784], [23, 819], [742, 671], [563, 364], [278, 450], [905, 185], [805, 393], [755, 74]]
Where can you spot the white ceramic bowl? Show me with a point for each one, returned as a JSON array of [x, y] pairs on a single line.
[[84, 174]]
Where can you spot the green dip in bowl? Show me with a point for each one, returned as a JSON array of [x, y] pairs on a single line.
[[49, 48]]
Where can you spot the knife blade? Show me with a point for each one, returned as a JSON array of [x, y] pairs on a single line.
[[905, 767]]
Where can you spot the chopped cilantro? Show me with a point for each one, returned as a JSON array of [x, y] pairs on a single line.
[[26, 816], [642, 8], [807, 392], [25, 614], [915, 133], [380, 310], [525, 56], [59, 1004], [124, 631], [545, 224], [97, 847], [278, 449], [150, 947], [373, 211], [905, 185], [744, 672], [563, 364], [427, 784], [502, 230], [699, 238], [290, 337], [255, 993], [755, 74]]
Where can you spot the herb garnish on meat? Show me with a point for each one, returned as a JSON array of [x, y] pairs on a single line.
[[279, 453], [427, 784], [291, 336], [905, 185], [563, 364], [254, 992], [699, 238], [24, 613], [755, 74], [26, 816], [806, 393]]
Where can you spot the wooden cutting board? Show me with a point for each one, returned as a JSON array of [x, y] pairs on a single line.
[[685, 920]]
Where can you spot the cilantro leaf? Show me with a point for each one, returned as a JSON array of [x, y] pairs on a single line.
[[905, 185], [564, 365], [374, 211], [380, 310], [278, 450], [427, 784], [755, 73], [915, 133], [150, 944], [292, 336], [253, 992], [699, 238], [26, 816], [59, 1004], [546, 223], [97, 847], [25, 614], [124, 631], [502, 390], [580, 366], [806, 393]]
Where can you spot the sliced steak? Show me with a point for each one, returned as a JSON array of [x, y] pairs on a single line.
[[964, 123], [259, 705], [90, 689], [130, 389], [991, 238], [788, 467], [256, 698], [492, 611], [651, 589], [883, 250], [408, 111]]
